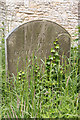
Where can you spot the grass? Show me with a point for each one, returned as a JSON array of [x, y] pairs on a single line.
[[49, 90]]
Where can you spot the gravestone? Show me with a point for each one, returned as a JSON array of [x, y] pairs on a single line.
[[35, 35]]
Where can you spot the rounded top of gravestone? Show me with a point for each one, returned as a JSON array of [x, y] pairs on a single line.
[[38, 36]]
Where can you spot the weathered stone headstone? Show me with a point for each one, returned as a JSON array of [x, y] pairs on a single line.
[[35, 35]]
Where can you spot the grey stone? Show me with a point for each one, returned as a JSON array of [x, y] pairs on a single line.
[[33, 15], [35, 35], [40, 13], [27, 12], [20, 20]]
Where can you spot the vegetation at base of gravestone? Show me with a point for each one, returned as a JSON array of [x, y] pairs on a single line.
[[47, 91]]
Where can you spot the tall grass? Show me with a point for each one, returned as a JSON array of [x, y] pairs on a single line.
[[46, 90], [2, 60]]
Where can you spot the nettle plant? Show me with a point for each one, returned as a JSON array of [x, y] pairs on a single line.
[[53, 59], [54, 69]]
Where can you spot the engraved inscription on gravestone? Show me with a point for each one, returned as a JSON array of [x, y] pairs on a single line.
[[34, 35]]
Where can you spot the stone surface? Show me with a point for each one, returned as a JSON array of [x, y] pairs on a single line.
[[59, 11], [35, 36]]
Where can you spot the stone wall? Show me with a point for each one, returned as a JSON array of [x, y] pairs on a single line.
[[2, 18], [63, 12], [2, 12]]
